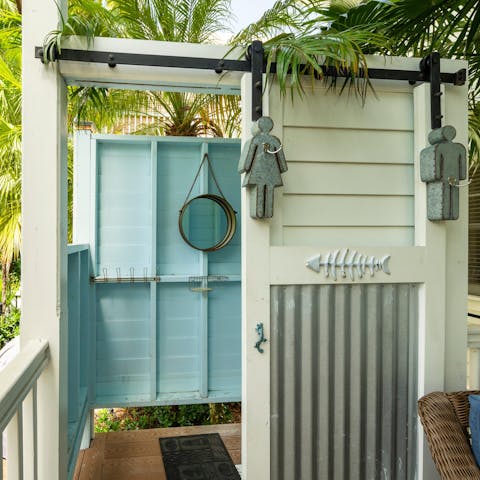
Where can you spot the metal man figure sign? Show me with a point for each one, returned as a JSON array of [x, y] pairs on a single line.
[[263, 161], [442, 166]]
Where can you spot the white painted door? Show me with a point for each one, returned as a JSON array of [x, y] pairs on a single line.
[[353, 184]]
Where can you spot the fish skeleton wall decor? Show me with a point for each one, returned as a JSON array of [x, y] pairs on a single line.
[[357, 262]]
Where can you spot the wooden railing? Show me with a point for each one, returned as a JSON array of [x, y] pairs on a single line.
[[80, 354], [18, 409]]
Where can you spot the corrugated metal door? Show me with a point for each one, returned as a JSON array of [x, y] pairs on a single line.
[[350, 347]]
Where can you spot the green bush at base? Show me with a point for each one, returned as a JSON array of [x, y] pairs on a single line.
[[111, 420], [9, 326]]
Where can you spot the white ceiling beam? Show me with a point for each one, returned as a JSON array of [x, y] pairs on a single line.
[[152, 78]]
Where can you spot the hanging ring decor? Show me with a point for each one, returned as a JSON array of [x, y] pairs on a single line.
[[207, 222]]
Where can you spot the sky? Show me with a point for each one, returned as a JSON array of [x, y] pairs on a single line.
[[247, 11]]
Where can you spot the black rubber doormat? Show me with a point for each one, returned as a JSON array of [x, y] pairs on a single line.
[[197, 457]]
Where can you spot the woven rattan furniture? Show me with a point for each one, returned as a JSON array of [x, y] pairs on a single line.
[[444, 418]]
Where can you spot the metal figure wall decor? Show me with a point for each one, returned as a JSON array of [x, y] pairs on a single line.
[[263, 161], [442, 166]]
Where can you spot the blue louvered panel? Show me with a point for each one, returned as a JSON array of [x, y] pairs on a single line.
[[124, 208], [123, 341]]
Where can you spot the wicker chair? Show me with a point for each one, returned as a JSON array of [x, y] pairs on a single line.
[[444, 418]]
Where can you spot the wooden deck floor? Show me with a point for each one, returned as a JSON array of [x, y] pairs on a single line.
[[135, 455]]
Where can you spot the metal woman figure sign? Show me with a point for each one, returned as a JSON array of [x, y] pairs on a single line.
[[263, 162]]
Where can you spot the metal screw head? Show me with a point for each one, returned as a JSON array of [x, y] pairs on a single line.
[[220, 66]]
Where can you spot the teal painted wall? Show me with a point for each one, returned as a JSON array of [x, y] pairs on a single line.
[[162, 342], [80, 328]]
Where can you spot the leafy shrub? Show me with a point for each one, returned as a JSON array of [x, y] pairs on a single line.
[[138, 418], [105, 421], [9, 326]]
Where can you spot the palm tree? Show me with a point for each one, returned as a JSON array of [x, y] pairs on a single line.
[[301, 41], [172, 113], [168, 113], [299, 38], [10, 143], [297, 30]]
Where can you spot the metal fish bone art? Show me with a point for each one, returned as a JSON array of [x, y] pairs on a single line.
[[356, 263]]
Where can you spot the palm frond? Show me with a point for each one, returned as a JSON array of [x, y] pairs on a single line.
[[10, 216], [10, 29], [474, 138]]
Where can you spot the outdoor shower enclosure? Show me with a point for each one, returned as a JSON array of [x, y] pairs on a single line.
[[167, 316], [353, 183]]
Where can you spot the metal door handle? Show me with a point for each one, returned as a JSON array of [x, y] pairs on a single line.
[[262, 339]]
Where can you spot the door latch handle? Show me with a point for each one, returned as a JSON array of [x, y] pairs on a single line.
[[262, 339]]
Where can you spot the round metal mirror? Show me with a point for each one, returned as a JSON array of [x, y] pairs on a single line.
[[207, 222]]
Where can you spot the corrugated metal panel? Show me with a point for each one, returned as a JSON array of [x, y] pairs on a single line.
[[343, 382]]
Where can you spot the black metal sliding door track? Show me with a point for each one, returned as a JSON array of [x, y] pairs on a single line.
[[255, 63]]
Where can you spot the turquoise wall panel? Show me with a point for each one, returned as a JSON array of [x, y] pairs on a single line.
[[224, 159], [123, 340], [162, 342], [176, 168], [74, 365], [224, 333], [80, 347], [178, 339], [124, 208]]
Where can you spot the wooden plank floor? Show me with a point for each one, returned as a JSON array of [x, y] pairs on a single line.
[[135, 454]]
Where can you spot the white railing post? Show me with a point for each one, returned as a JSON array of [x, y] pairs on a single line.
[[30, 440], [13, 457], [18, 409]]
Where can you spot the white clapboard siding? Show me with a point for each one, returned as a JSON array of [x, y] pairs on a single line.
[[338, 144], [326, 108], [309, 210], [351, 169], [348, 179], [343, 236]]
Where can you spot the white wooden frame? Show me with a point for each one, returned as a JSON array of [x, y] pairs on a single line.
[[44, 231], [439, 254]]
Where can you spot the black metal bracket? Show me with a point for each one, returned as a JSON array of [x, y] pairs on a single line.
[[255, 54], [430, 72], [255, 63], [140, 59], [430, 68]]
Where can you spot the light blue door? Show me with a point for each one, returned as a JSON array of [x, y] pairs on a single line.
[[168, 316]]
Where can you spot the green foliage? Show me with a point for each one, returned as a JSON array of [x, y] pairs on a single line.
[[190, 21], [9, 326], [451, 27], [13, 283], [105, 421], [10, 137], [168, 113], [110, 420], [301, 35], [300, 40]]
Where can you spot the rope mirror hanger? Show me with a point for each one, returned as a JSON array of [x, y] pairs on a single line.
[[207, 222]]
